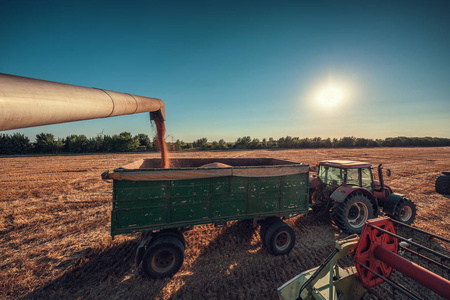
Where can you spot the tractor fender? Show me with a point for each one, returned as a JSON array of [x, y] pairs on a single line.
[[342, 192], [379, 193], [390, 204]]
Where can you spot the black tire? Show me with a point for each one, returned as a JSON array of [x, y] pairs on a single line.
[[319, 202], [171, 232], [351, 214], [279, 238], [405, 211], [163, 258], [442, 184], [265, 225]]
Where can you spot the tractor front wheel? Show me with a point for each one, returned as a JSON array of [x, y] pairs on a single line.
[[351, 214], [405, 211]]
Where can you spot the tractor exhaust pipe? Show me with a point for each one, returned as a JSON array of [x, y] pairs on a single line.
[[380, 176], [27, 102]]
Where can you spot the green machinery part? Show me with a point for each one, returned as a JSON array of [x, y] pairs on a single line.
[[329, 280]]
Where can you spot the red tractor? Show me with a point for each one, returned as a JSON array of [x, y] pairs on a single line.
[[348, 190]]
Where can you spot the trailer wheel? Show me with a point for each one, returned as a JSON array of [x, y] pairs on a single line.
[[265, 225], [279, 238], [351, 214], [405, 211], [163, 258], [171, 232]]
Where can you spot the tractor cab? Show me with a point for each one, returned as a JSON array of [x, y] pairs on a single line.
[[334, 173]]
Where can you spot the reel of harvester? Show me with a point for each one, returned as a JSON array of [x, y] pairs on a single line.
[[381, 266]]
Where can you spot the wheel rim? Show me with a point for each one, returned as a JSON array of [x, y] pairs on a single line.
[[282, 240], [405, 213], [163, 261], [358, 214]]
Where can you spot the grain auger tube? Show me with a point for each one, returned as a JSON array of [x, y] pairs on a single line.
[[27, 102], [376, 255]]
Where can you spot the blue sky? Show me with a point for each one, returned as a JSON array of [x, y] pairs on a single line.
[[227, 69]]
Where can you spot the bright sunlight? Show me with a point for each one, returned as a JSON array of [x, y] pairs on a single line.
[[330, 96]]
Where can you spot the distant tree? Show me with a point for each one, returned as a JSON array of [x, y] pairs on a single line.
[[288, 142], [335, 142], [76, 144], [125, 142], [4, 144], [346, 142], [222, 145], [96, 144], [46, 143], [303, 143], [214, 145], [327, 143], [264, 143], [201, 144], [144, 141], [16, 143], [108, 144], [255, 144], [316, 142], [271, 143], [360, 142], [243, 143], [180, 145]]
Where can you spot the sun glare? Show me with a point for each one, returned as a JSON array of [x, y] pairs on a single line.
[[330, 96]]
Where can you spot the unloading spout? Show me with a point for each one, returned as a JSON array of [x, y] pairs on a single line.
[[27, 102]]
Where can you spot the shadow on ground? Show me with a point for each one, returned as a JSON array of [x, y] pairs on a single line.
[[229, 264]]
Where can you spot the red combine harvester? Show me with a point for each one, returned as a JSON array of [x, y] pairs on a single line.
[[378, 263], [349, 191]]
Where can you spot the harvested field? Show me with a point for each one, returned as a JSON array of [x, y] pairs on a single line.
[[54, 229]]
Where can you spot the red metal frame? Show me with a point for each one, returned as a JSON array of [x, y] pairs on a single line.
[[376, 256], [369, 239], [437, 284]]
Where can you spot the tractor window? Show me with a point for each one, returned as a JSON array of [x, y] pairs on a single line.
[[334, 176], [352, 176], [322, 172], [366, 177]]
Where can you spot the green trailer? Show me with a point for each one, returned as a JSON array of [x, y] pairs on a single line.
[[162, 203]]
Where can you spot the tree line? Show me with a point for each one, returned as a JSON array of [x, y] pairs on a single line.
[[46, 143]]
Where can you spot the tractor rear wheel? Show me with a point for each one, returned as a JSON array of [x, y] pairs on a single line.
[[442, 184], [405, 211], [164, 257], [351, 214]]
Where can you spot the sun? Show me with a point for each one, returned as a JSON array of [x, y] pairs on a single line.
[[330, 96]]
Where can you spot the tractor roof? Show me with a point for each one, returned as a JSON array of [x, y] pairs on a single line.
[[346, 164]]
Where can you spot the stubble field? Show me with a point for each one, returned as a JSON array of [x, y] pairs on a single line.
[[55, 222]]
